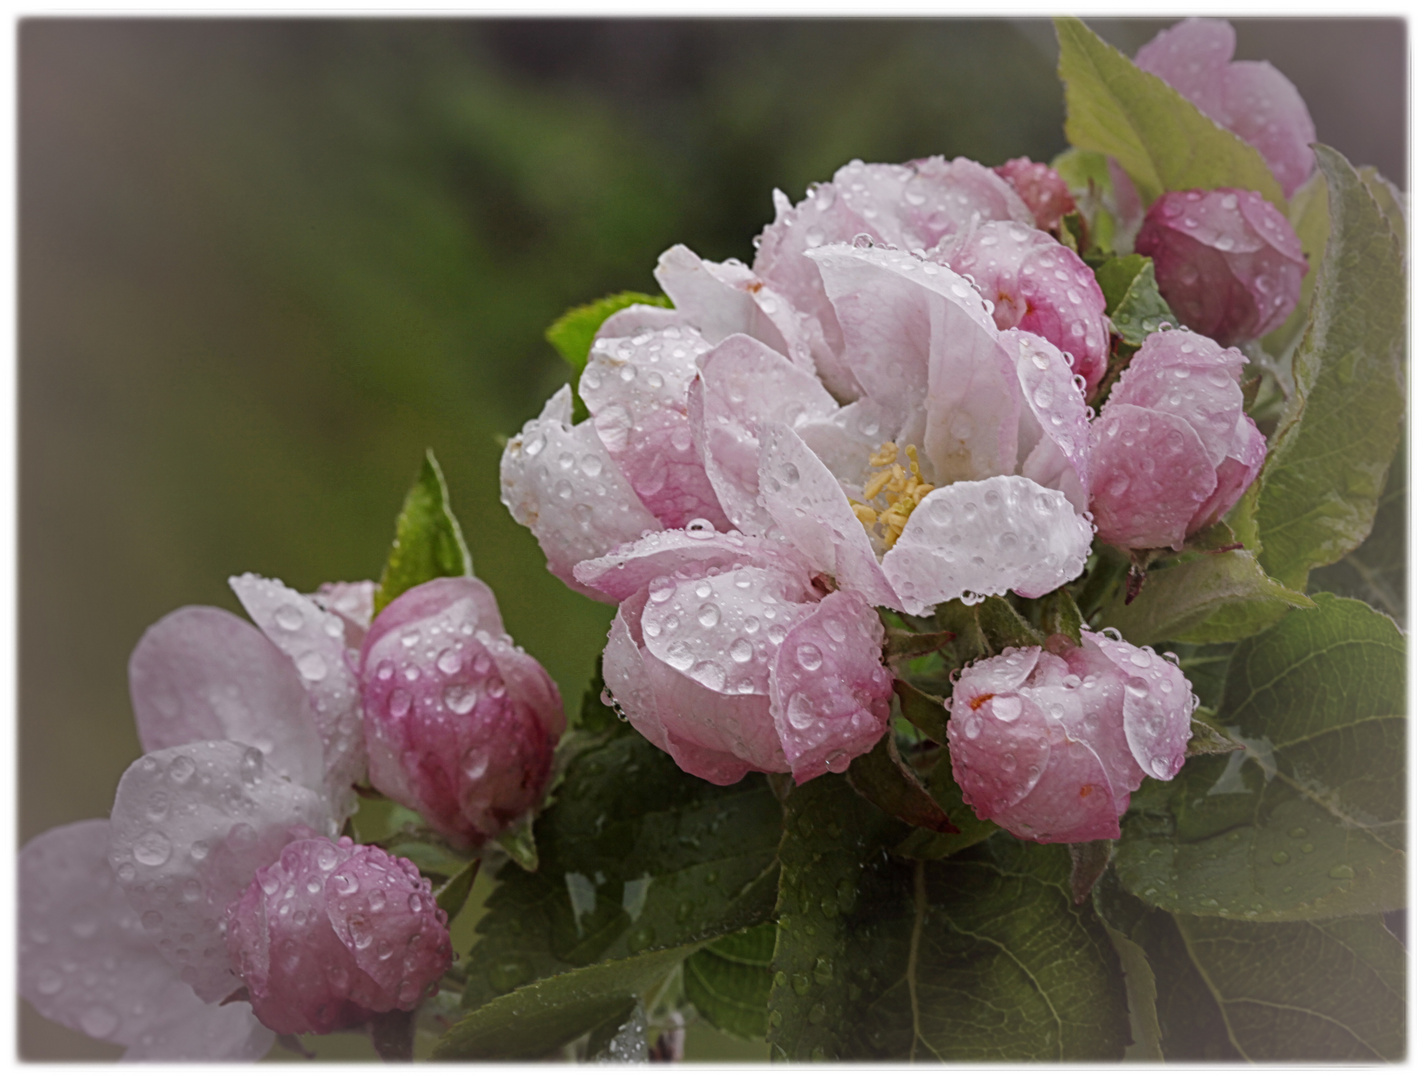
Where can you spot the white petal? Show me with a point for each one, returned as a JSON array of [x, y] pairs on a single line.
[[191, 825], [984, 537]]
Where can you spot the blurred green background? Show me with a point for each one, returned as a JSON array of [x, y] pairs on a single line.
[[264, 264]]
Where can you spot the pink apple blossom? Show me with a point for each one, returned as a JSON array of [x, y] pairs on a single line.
[[728, 653], [1050, 742], [1248, 97], [460, 722], [333, 933], [1227, 261], [1172, 449]]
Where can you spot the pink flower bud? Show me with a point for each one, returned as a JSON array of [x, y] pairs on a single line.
[[1227, 261], [460, 723], [1042, 190], [333, 933], [1036, 285], [1172, 450], [1248, 97], [1050, 743]]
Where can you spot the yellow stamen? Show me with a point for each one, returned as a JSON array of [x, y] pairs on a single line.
[[892, 493]]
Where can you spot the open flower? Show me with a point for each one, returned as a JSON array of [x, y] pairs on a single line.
[[1227, 261], [729, 654], [1172, 450], [460, 722], [1051, 742], [123, 922], [1248, 97], [333, 933], [961, 472]]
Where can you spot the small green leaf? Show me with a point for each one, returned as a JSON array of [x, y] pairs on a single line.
[[1315, 499], [904, 643], [1206, 739], [574, 332], [925, 711], [428, 541], [1003, 627], [452, 895], [1135, 307], [923, 844], [1306, 822], [882, 778], [729, 981], [1224, 596], [518, 841], [1089, 860], [1056, 613], [534, 1021], [1161, 140]]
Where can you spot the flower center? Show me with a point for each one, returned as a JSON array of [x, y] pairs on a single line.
[[891, 494]]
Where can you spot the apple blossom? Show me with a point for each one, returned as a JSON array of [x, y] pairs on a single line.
[[460, 722], [333, 933], [1172, 449], [1227, 261], [1050, 742], [728, 653], [1043, 191]]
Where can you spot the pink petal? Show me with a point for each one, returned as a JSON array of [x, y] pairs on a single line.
[[810, 507], [636, 392], [639, 319], [947, 197], [1234, 475], [985, 537], [1189, 376], [1039, 286], [202, 673], [721, 299], [1191, 57], [830, 690], [86, 962], [1157, 707], [1150, 474], [316, 642], [998, 735], [191, 825], [560, 482], [1040, 187], [743, 385], [691, 552], [1053, 427], [354, 601], [1265, 109]]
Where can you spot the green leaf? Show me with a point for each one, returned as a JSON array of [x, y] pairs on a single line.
[[1086, 174], [729, 981], [574, 332], [1003, 627], [1206, 739], [428, 542], [979, 957], [881, 777], [1134, 305], [925, 711], [1315, 498], [536, 1020], [1375, 571], [1331, 990], [452, 895], [1055, 613], [519, 842], [635, 855], [622, 1038], [1307, 821], [1160, 139], [1204, 599], [903, 643]]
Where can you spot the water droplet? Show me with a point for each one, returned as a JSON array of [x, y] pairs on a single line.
[[460, 698], [475, 763], [181, 769], [1007, 707], [400, 703], [152, 848], [709, 615], [800, 712], [808, 656], [1343, 872], [1280, 858], [700, 529], [449, 661], [98, 1022], [741, 650], [312, 667], [801, 983]]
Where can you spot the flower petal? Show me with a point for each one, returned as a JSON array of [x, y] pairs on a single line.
[[316, 642], [1157, 707], [86, 962], [810, 507], [1234, 475], [191, 824], [203, 673], [830, 689], [985, 537], [560, 482], [1053, 428], [636, 392]]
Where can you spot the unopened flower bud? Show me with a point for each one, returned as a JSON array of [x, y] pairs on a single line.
[[1227, 261], [460, 722], [1051, 744], [333, 933], [1172, 450], [1040, 187]]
